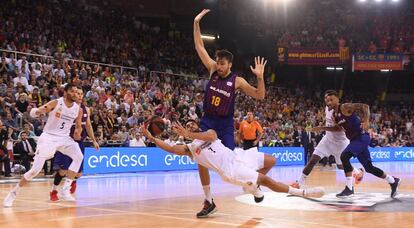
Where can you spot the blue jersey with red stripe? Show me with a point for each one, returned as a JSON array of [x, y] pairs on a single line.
[[84, 118], [220, 95], [351, 124]]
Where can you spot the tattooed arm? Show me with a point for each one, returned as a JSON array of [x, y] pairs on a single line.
[[362, 111]]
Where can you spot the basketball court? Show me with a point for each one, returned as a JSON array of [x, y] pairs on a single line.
[[171, 199]]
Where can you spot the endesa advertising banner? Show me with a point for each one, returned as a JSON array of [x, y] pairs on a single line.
[[313, 56], [367, 61], [387, 154], [120, 160]]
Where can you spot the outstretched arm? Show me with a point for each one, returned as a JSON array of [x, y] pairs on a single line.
[[335, 128], [243, 85], [44, 109], [176, 149], [208, 62], [207, 136]]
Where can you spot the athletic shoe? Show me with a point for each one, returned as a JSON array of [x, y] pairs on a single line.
[[66, 196], [394, 186], [8, 201], [358, 177], [73, 187], [258, 195], [255, 191], [208, 209], [345, 193], [317, 192], [54, 196]]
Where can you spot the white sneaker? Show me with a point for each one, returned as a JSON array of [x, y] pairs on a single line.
[[257, 192], [317, 192], [66, 196], [8, 201]]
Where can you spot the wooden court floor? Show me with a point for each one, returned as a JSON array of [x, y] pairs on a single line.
[[171, 199]]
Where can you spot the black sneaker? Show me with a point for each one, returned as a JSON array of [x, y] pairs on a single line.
[[208, 209], [260, 198], [394, 186], [345, 193]]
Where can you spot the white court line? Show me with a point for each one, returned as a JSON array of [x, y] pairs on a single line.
[[121, 212], [33, 200]]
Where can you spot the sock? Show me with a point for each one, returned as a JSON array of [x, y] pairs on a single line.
[[67, 183], [207, 193], [390, 179], [16, 188], [350, 182], [302, 180], [55, 187], [58, 179], [296, 192], [356, 171]]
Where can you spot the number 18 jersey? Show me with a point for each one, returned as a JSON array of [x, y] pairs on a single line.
[[220, 96]]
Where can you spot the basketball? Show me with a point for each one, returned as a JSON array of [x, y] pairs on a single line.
[[155, 125]]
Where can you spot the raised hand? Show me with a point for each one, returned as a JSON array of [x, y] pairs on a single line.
[[179, 129], [145, 132], [259, 66], [201, 15]]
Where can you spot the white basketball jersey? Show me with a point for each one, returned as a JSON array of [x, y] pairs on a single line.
[[330, 122], [61, 119], [212, 155]]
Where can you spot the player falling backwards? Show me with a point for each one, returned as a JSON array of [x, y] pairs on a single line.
[[219, 100], [353, 118], [237, 167]]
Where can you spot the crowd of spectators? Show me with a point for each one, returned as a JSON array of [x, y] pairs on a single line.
[[120, 100], [363, 29]]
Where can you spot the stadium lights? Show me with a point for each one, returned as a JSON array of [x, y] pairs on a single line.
[[334, 68], [378, 0], [386, 70], [330, 68], [339, 68], [208, 37]]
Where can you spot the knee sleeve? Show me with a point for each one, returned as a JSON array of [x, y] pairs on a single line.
[[36, 168], [345, 157], [373, 170]]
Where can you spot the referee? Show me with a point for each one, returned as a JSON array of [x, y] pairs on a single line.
[[250, 132]]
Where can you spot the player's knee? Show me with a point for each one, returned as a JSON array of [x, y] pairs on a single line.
[[262, 180], [269, 161], [78, 157], [32, 173], [369, 168]]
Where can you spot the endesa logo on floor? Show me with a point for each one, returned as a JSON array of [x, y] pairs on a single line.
[[119, 160], [383, 154], [286, 155]]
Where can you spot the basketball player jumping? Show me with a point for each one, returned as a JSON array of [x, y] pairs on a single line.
[[333, 143], [62, 114], [62, 162], [219, 100], [237, 167], [353, 118]]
